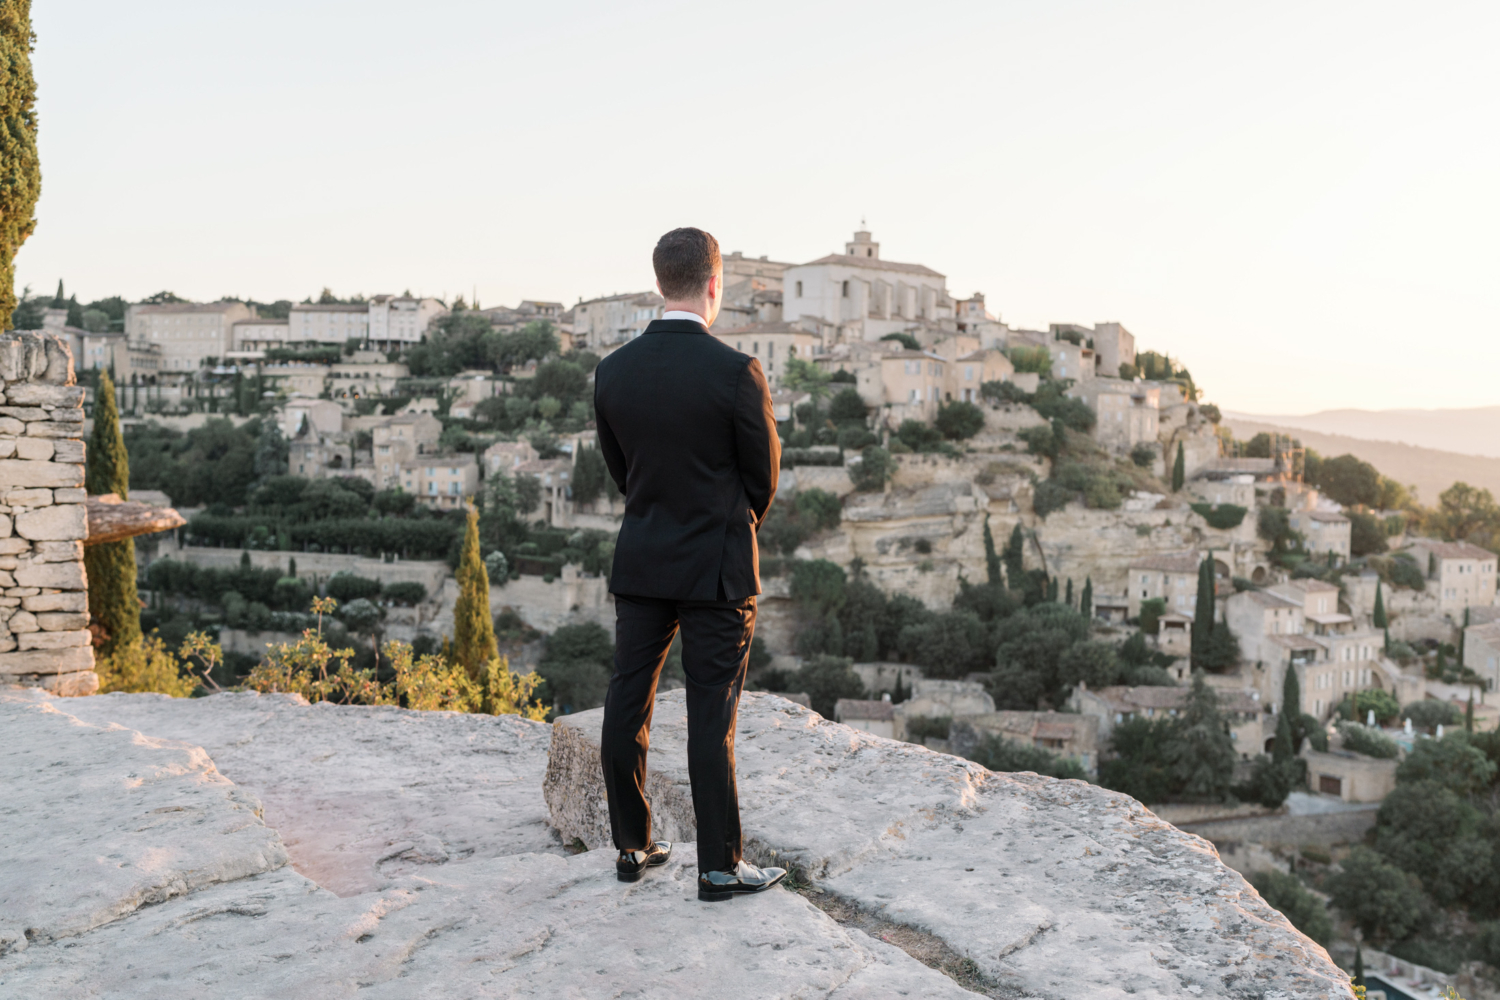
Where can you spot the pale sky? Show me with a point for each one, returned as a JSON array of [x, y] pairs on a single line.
[[1299, 200]]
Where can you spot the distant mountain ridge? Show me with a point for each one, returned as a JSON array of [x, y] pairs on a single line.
[[1472, 431], [1431, 471]]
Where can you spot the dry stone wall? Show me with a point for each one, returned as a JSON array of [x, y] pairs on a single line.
[[44, 637]]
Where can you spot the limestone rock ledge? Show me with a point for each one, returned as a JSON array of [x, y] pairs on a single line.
[[1053, 888]]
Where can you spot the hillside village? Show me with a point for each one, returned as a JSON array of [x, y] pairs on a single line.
[[1037, 549]]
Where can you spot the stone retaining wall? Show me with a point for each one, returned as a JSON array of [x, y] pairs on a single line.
[[44, 637]]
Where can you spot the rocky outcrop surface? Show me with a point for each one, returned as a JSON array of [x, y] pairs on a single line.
[[100, 819], [44, 637], [360, 794], [1052, 888]]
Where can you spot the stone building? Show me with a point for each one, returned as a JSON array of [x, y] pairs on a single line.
[[187, 332], [773, 344], [1324, 531], [1172, 577], [865, 294], [603, 324], [1113, 346], [969, 372], [444, 481], [1066, 734], [1482, 652], [1462, 574], [397, 440], [555, 476], [1351, 776], [258, 334], [1110, 706], [1126, 413], [878, 718], [506, 456], [396, 321], [44, 636]]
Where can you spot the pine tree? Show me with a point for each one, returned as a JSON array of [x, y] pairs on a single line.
[[1179, 470], [1086, 600], [19, 164], [1014, 556], [113, 603], [473, 628], [1291, 706], [1203, 610], [1202, 751], [991, 557], [1068, 599], [1378, 617]]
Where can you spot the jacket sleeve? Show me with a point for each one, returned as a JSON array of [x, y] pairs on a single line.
[[614, 455], [756, 440]]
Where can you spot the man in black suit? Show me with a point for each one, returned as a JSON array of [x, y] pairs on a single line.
[[687, 430]]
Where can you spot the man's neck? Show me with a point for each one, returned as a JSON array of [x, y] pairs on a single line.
[[678, 310]]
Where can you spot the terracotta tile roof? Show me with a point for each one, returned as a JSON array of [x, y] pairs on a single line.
[[873, 264], [1453, 550], [1179, 562]]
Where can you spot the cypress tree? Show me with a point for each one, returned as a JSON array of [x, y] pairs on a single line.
[[113, 603], [1014, 553], [1291, 706], [473, 628], [1378, 617], [1069, 598], [1358, 979], [991, 557], [291, 566], [1203, 611], [1179, 470], [1281, 748], [19, 164], [1469, 713], [244, 560], [1387, 640], [1086, 600]]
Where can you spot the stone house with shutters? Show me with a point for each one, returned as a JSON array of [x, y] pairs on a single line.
[[773, 344], [443, 481], [1172, 577], [1462, 574]]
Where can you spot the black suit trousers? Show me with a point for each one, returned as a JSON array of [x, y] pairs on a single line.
[[715, 655]]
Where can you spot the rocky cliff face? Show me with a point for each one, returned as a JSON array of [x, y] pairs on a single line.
[[421, 866]]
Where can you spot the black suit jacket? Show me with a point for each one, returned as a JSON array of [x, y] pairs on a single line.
[[688, 433]]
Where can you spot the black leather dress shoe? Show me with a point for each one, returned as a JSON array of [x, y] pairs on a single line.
[[631, 865], [742, 878]]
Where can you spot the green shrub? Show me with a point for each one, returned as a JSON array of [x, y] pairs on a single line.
[[793, 457], [959, 421], [406, 593], [826, 679], [1000, 754], [1382, 703], [1224, 516], [1031, 359], [873, 470], [819, 508], [920, 437], [1304, 909], [1431, 713], [920, 727], [1370, 742], [1143, 455], [345, 587]]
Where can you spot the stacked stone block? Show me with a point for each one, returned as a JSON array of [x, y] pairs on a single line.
[[44, 636]]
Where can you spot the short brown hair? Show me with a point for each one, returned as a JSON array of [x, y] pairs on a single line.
[[684, 260]]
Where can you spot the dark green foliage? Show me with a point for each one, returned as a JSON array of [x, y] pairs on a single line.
[[466, 340], [589, 475], [793, 457], [1304, 909], [818, 586], [1453, 762], [111, 566], [950, 645], [847, 406], [992, 569], [1201, 753], [1430, 831], [346, 587], [406, 594], [1143, 455], [826, 679], [920, 437], [1029, 647], [1431, 713], [1386, 903], [1383, 703], [1269, 783], [1015, 549], [1050, 496], [819, 509], [906, 340], [1151, 612], [1370, 742], [959, 421], [1379, 619], [1086, 599], [919, 728], [1061, 410], [213, 464], [20, 165], [1350, 481], [1203, 611], [1366, 534], [873, 470], [1140, 767], [1275, 526], [1224, 516], [1179, 470], [473, 628], [1221, 649], [1031, 359], [1000, 754], [575, 667]]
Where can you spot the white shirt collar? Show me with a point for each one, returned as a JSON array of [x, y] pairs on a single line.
[[684, 314]]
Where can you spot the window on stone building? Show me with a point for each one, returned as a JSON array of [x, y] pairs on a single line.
[[846, 290], [799, 289]]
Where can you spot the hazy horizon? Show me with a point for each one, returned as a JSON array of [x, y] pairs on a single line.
[[1296, 201]]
